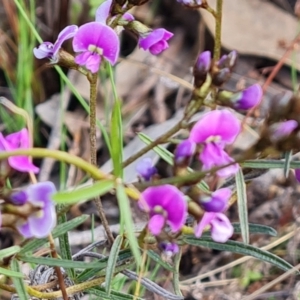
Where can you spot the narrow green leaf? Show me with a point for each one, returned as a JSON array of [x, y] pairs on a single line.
[[9, 251], [242, 205], [11, 273], [111, 263], [126, 217], [287, 163], [116, 139], [115, 295], [53, 262], [64, 246], [256, 228], [168, 157], [99, 188], [59, 230], [18, 281], [269, 164], [241, 248], [157, 258]]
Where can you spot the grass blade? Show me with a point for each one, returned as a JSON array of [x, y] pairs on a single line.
[[241, 248], [9, 251], [242, 205], [83, 194], [116, 139], [111, 263], [18, 282], [126, 219], [11, 273]]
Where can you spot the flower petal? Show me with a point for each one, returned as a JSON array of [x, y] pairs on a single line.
[[39, 194], [67, 33], [249, 97], [42, 226], [156, 224], [218, 200], [145, 168], [44, 50], [155, 37], [206, 219], [216, 123], [24, 230], [102, 11], [221, 228]]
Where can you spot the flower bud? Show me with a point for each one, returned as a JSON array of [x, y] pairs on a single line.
[[228, 61], [201, 68], [221, 76]]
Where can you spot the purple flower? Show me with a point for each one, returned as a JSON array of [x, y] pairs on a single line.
[[165, 204], [220, 227], [217, 202], [184, 151], [14, 141], [169, 249], [145, 168], [95, 40], [155, 41], [102, 13], [247, 98], [216, 129], [49, 50], [279, 131], [41, 222], [297, 174]]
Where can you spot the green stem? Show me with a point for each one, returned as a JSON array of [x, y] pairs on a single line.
[[93, 151], [58, 155], [218, 29]]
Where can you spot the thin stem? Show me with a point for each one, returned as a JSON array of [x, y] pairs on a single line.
[[218, 29], [61, 156], [93, 151], [60, 277]]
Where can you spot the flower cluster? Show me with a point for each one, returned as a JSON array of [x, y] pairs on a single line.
[[37, 210], [96, 40]]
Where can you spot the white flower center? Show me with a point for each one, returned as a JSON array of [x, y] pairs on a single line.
[[95, 49]]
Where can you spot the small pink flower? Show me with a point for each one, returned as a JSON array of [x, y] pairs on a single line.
[[155, 41], [214, 131], [14, 141], [248, 98], [166, 205], [95, 41], [220, 226]]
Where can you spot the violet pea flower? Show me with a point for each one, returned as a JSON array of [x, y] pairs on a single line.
[[248, 98], [220, 226], [217, 202], [169, 248], [95, 40], [282, 130], [155, 41], [214, 131], [166, 205], [297, 174], [50, 50], [41, 222], [145, 168], [14, 141], [184, 152]]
